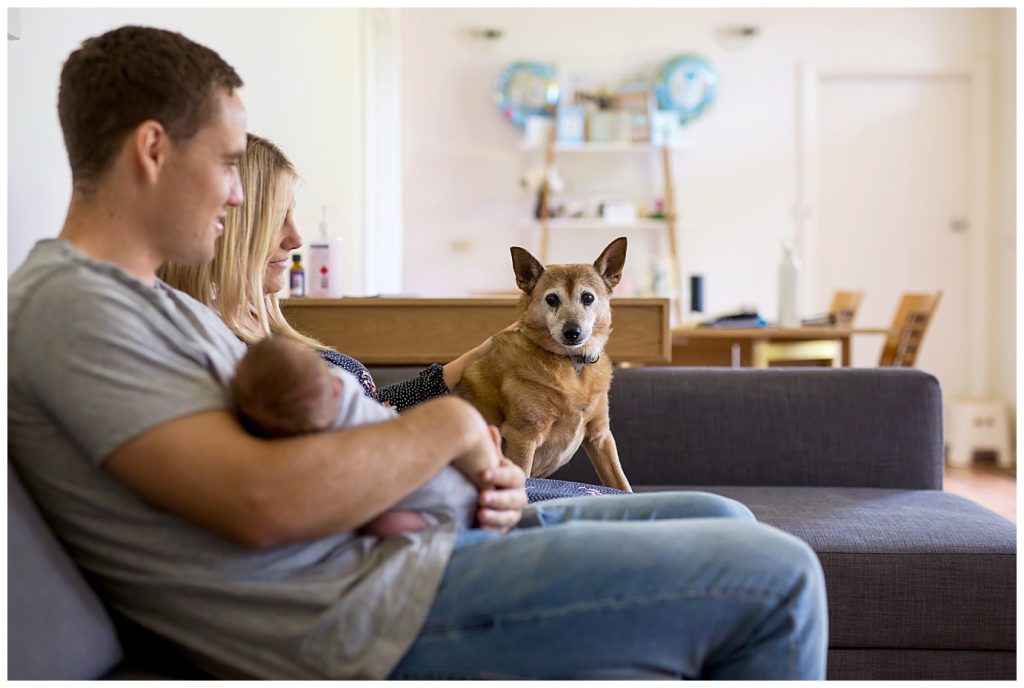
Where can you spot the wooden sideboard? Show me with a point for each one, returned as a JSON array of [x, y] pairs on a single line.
[[415, 331]]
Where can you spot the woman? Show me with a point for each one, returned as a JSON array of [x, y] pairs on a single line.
[[251, 267]]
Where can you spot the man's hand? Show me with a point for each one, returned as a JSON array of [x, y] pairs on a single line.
[[501, 506]]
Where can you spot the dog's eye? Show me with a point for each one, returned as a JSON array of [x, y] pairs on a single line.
[[552, 300], [587, 298]]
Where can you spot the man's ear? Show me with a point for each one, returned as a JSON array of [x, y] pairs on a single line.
[[609, 263], [527, 268], [149, 144]]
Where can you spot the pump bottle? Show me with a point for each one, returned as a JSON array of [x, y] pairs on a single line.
[[325, 263]]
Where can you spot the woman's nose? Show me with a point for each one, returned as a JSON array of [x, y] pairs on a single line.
[[292, 239]]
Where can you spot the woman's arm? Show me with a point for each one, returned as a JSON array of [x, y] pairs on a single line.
[[435, 380], [453, 371], [402, 396]]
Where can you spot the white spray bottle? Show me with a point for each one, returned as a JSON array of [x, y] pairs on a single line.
[[789, 287]]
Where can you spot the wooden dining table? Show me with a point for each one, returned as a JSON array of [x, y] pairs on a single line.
[[749, 346]]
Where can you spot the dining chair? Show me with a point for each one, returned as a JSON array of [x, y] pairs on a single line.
[[842, 312], [913, 315], [845, 305]]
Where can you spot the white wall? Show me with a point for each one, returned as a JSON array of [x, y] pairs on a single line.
[[463, 207], [1004, 211], [303, 89]]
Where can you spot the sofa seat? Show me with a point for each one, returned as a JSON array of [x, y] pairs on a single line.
[[907, 571]]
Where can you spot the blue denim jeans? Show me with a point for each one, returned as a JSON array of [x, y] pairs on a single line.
[[659, 585]]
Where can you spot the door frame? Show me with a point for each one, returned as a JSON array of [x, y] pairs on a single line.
[[382, 151], [979, 287]]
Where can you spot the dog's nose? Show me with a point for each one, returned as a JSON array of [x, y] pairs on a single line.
[[571, 332]]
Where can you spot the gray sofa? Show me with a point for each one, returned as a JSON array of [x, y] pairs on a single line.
[[921, 583]]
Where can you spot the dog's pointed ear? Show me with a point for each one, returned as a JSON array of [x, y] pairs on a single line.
[[527, 268], [609, 263]]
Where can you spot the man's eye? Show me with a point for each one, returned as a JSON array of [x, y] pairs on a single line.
[[552, 300], [587, 298]]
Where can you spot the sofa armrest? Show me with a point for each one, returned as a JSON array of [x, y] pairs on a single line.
[[853, 427], [57, 628]]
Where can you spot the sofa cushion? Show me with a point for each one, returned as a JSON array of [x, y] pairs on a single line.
[[918, 569], [56, 626]]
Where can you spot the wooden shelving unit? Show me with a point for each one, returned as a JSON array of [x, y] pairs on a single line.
[[666, 224]]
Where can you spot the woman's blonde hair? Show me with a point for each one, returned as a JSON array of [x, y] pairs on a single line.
[[233, 282]]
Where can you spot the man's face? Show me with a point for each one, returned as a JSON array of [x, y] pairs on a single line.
[[199, 182]]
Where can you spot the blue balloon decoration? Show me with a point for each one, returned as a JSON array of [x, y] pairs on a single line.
[[525, 88], [686, 84]]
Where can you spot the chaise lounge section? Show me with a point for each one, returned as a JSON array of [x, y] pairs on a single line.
[[921, 583]]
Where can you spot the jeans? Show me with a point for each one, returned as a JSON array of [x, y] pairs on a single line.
[[658, 585]]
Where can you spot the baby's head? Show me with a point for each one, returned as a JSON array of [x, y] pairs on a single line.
[[283, 388]]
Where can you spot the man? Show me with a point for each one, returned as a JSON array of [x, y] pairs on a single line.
[[240, 550]]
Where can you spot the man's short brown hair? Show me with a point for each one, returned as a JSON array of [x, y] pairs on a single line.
[[118, 80]]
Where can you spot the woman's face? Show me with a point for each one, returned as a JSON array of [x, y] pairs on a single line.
[[287, 240]]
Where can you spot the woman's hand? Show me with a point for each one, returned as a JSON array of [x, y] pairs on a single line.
[[452, 372], [501, 506]]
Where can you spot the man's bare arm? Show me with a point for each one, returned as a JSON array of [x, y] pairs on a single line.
[[267, 492]]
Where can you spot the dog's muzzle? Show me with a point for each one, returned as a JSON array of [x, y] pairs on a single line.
[[571, 333]]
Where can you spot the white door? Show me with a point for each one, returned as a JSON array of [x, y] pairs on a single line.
[[893, 181]]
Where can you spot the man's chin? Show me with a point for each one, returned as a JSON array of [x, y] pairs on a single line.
[[195, 258]]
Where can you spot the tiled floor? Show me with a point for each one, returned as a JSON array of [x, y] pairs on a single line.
[[987, 485]]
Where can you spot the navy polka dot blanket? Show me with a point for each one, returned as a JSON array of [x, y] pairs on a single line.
[[541, 489]]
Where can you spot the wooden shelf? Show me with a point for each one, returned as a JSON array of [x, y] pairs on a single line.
[[608, 147], [668, 225], [598, 223]]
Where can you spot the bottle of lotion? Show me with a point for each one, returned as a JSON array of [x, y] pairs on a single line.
[[324, 278]]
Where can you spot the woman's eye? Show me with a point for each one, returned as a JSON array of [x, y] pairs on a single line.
[[552, 300], [587, 298]]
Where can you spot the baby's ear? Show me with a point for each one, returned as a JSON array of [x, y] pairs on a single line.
[[335, 386]]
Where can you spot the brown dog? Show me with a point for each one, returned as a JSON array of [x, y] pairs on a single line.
[[545, 385]]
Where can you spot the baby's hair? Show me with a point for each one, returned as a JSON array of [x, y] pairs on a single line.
[[283, 388]]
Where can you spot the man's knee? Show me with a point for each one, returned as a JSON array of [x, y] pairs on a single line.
[[795, 558]]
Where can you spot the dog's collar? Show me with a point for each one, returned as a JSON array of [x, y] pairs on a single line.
[[580, 361]]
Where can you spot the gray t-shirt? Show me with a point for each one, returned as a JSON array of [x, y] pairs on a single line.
[[97, 358]]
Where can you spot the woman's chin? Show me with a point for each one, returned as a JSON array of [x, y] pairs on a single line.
[[272, 286]]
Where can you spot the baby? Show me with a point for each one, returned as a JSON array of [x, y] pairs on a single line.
[[282, 388]]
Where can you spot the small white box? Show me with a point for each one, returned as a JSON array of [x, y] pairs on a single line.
[[618, 210], [537, 131]]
